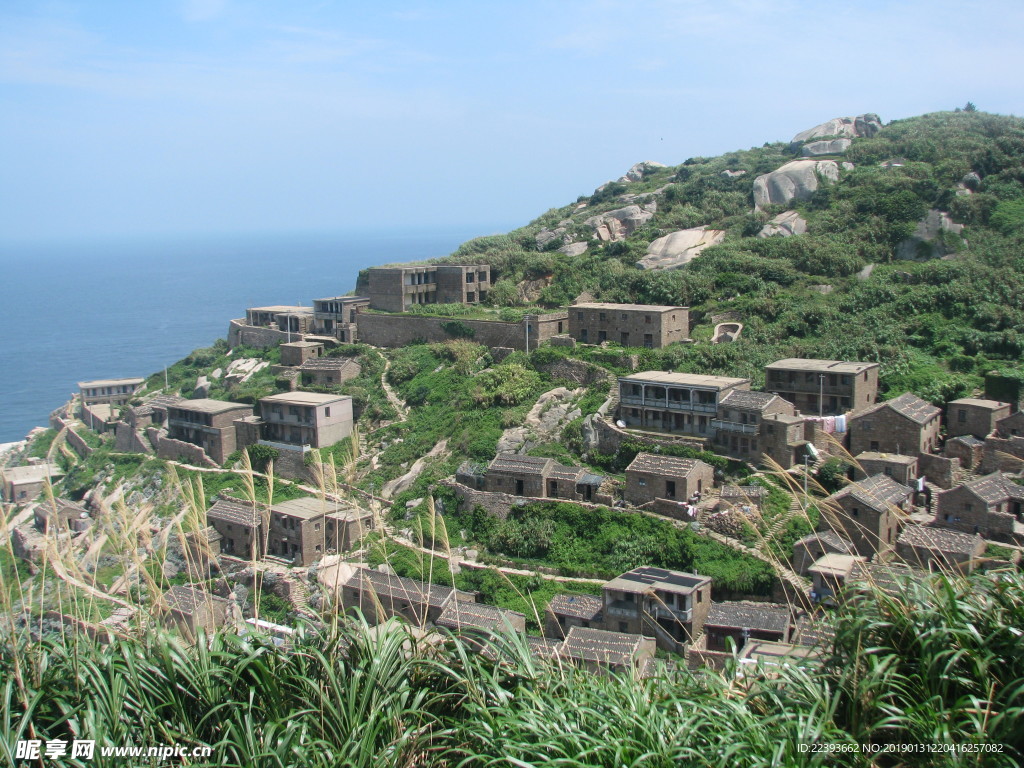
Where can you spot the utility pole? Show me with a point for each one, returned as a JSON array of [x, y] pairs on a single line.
[[526, 325], [821, 394]]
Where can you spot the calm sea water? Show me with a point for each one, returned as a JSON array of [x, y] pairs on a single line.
[[92, 310]]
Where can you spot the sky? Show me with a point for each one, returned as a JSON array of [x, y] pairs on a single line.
[[125, 118]]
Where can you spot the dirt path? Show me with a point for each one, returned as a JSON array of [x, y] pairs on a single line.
[[396, 402]]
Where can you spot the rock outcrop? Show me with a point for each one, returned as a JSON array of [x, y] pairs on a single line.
[[573, 249], [865, 125], [622, 222], [796, 180], [733, 174], [676, 249], [785, 224], [826, 147], [923, 244], [639, 170]]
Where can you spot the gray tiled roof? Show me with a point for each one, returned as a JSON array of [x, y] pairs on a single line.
[[466, 615], [940, 539], [386, 585], [889, 577], [745, 614], [328, 364], [832, 540], [517, 462], [663, 465], [587, 607], [187, 599], [745, 398], [598, 645], [878, 492], [234, 511], [995, 488], [913, 407]]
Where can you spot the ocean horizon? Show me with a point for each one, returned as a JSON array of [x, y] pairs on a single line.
[[110, 308]]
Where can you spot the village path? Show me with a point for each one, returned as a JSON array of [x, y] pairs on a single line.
[[396, 402]]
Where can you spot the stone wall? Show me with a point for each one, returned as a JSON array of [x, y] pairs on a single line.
[[1001, 455], [601, 436], [127, 440], [577, 371], [178, 450], [938, 470], [401, 330], [257, 336]]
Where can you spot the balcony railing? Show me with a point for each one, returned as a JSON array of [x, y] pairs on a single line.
[[733, 426], [623, 610], [660, 612], [686, 406]]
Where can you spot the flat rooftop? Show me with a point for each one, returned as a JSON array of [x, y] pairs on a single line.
[[345, 298], [649, 578], [110, 382], [625, 307], [31, 473], [979, 403], [303, 398], [302, 344], [685, 379], [834, 564], [282, 309], [306, 507], [206, 405], [892, 458], [824, 366]]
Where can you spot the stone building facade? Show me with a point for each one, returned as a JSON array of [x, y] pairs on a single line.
[[208, 424], [732, 624], [191, 610], [974, 416], [650, 477], [295, 353], [683, 403], [114, 392], [869, 513], [380, 596], [388, 331], [336, 316], [520, 475], [824, 387], [739, 430], [240, 526], [396, 289], [905, 425], [328, 371], [306, 418], [939, 549], [298, 530], [990, 505], [902, 469], [631, 325]]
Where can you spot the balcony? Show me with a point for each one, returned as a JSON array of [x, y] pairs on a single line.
[[733, 426], [661, 612], [621, 609], [681, 406]]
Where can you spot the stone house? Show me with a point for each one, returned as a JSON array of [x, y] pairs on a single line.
[[905, 425], [631, 325], [989, 505], [604, 651], [869, 513], [830, 574], [934, 549], [306, 418], [295, 353], [291, 320], [240, 526], [298, 530], [891, 578], [734, 623], [22, 484], [336, 316], [1011, 426], [380, 596], [61, 516], [114, 392], [346, 527], [462, 616], [902, 469], [781, 439], [824, 387], [669, 605], [152, 413], [973, 416], [748, 499], [209, 424], [190, 610], [650, 476], [520, 475], [811, 548], [967, 449], [396, 289], [679, 403], [567, 611], [738, 425], [328, 371]]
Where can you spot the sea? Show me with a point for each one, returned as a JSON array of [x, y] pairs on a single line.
[[92, 309]]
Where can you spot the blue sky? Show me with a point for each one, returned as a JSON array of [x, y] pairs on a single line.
[[198, 116]]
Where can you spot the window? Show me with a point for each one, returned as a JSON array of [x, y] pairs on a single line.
[[470, 296], [642, 483], [469, 277], [327, 411], [579, 316], [623, 626], [647, 319], [583, 334], [624, 316], [601, 317], [670, 489], [855, 512], [316, 526], [961, 415], [602, 336], [700, 597]]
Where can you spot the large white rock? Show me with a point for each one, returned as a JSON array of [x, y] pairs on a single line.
[[679, 248], [826, 147], [866, 125], [922, 243], [785, 224], [573, 249], [639, 170], [620, 223], [796, 180]]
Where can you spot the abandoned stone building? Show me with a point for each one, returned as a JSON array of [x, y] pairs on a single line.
[[939, 549], [974, 416], [781, 439], [328, 371], [989, 505], [192, 610], [812, 547], [967, 449], [520, 475], [380, 596], [298, 530], [396, 289], [463, 616], [305, 419], [1011, 426], [336, 316], [109, 391], [671, 606], [823, 387], [738, 426], [604, 651], [208, 424], [567, 611], [293, 320], [830, 574], [295, 353], [902, 469], [731, 624], [683, 403], [650, 476], [905, 425], [241, 528], [631, 325], [892, 578], [22, 484], [869, 513], [346, 527], [61, 516]]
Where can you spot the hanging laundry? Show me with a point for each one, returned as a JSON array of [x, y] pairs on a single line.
[[829, 424], [841, 424]]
